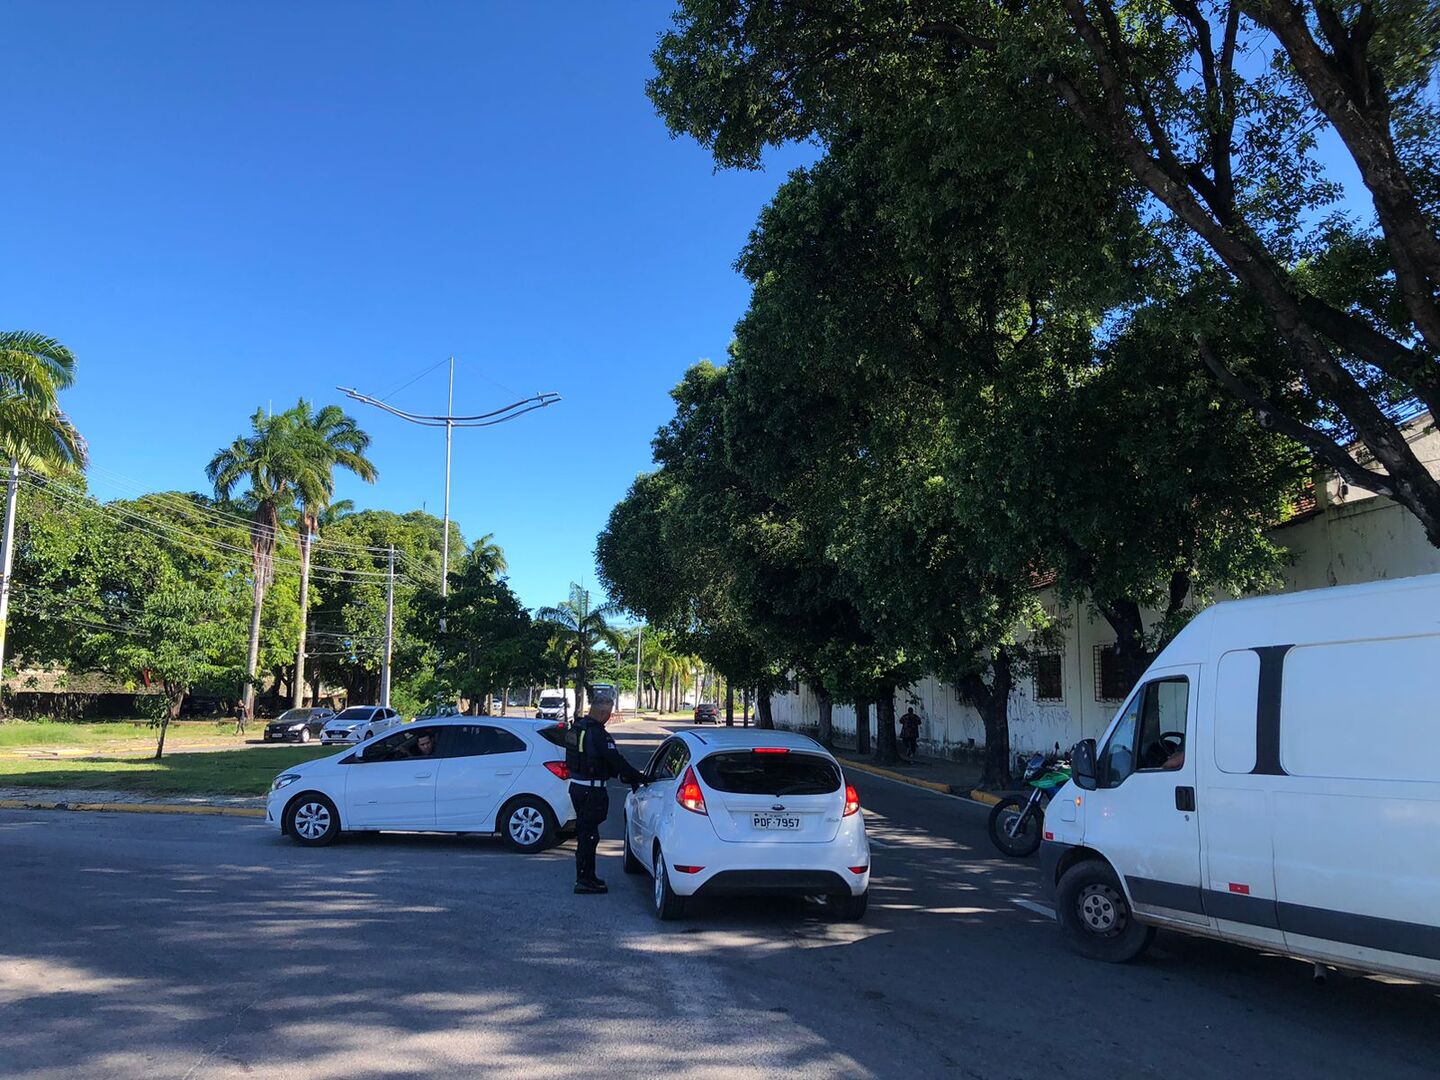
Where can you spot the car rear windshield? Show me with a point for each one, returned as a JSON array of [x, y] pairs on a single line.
[[748, 773], [555, 733]]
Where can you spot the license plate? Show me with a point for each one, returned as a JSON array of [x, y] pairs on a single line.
[[771, 823]]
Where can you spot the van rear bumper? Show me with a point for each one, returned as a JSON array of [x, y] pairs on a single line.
[[1051, 852]]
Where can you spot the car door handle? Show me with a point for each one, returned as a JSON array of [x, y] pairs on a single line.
[[422, 776], [507, 772], [1185, 799]]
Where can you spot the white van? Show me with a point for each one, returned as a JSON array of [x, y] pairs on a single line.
[[1274, 780], [555, 705]]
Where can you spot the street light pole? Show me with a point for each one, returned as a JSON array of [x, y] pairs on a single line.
[[449, 421], [445, 538], [7, 556], [639, 649]]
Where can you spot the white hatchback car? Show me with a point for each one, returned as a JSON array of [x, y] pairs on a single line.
[[462, 774], [358, 723], [739, 812]]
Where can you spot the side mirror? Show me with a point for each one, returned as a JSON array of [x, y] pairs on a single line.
[[1082, 765]]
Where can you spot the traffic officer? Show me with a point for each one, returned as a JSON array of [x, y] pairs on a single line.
[[592, 759]]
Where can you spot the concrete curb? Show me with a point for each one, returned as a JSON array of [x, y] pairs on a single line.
[[985, 797], [136, 808], [890, 774]]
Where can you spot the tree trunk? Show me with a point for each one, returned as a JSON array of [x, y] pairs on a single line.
[[299, 696], [886, 751], [992, 699], [174, 699], [729, 705], [745, 705], [764, 718], [253, 656], [827, 717], [505, 702], [862, 727], [1131, 655]]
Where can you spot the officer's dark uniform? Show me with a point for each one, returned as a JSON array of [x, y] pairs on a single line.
[[592, 758]]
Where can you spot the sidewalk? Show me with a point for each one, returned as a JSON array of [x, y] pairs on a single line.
[[938, 774], [34, 798]]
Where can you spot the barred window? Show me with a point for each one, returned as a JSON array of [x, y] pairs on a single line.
[[1049, 683], [1109, 683]]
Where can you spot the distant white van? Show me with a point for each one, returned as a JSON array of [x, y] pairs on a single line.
[[555, 705], [1274, 780]]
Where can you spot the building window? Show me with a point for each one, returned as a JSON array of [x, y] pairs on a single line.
[[1049, 684], [1109, 683]]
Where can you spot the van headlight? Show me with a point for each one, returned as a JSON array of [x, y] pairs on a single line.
[[284, 780]]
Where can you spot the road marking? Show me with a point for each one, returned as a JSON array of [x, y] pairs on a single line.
[[1031, 905]]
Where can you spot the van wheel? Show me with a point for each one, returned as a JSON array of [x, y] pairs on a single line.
[[631, 864], [527, 825], [668, 906], [1096, 918], [311, 819]]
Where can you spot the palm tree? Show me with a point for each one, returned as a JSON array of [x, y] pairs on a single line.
[[275, 458], [336, 441], [34, 433], [581, 628]]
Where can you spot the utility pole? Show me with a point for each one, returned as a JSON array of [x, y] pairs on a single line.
[[389, 632], [445, 535], [7, 556]]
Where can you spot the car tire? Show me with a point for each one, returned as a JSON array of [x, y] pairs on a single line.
[[1095, 916], [851, 908], [631, 864], [312, 820], [305, 735], [668, 906], [1028, 842], [527, 825]]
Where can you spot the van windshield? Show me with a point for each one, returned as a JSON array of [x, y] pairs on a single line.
[[748, 773], [551, 702]]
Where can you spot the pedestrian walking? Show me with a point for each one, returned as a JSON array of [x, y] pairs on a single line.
[[242, 714], [910, 732], [592, 758]]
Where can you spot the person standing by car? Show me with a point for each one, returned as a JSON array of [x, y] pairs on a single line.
[[910, 732], [592, 758], [241, 715]]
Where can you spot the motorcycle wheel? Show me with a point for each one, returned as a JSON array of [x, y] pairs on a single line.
[[1026, 840]]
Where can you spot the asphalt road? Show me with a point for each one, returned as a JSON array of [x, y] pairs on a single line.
[[167, 946]]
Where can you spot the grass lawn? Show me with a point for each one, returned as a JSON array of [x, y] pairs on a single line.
[[22, 733], [224, 772]]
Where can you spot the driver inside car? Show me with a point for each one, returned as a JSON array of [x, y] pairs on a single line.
[[424, 746]]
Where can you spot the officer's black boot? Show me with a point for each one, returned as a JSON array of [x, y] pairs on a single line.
[[587, 888]]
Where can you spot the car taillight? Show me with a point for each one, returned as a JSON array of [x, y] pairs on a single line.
[[689, 795], [559, 768], [852, 800]]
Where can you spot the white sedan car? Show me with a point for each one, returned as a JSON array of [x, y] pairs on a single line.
[[462, 774], [358, 723], [732, 812]]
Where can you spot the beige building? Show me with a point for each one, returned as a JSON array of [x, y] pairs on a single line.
[[1350, 536]]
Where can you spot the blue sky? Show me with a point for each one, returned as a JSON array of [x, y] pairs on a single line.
[[218, 206]]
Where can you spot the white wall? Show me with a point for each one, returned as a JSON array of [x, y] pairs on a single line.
[[1345, 543]]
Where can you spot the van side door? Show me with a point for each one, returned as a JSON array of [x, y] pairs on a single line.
[[1144, 814]]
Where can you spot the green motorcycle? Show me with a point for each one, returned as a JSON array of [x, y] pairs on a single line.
[[1016, 823]]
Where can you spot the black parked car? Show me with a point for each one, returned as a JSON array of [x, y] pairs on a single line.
[[298, 725], [706, 713]]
